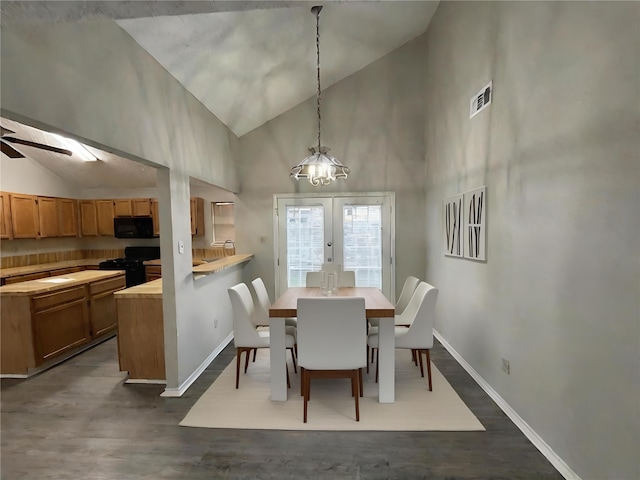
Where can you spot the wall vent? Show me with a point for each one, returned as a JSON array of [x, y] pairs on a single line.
[[481, 99]]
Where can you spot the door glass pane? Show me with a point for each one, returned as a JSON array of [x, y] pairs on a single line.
[[362, 243], [305, 241]]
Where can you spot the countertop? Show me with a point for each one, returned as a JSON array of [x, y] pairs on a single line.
[[59, 282], [44, 267], [153, 289], [158, 263]]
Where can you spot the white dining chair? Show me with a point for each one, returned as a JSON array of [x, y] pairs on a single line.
[[332, 342], [418, 337], [346, 278], [332, 267], [262, 297], [245, 335], [410, 285], [261, 315]]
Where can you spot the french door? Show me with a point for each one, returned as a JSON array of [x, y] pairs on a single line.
[[354, 230]]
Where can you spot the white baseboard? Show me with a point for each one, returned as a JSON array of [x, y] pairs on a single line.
[[145, 381], [177, 392], [536, 439]]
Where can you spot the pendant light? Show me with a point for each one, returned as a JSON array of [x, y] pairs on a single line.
[[319, 168]]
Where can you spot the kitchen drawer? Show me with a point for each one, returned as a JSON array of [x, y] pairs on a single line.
[[108, 285], [25, 278], [64, 271], [47, 300]]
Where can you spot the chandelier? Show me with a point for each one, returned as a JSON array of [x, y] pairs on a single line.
[[319, 168]]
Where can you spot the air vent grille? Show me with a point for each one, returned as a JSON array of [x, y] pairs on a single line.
[[481, 100]]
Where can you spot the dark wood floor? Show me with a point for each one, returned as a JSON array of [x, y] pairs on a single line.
[[80, 421]]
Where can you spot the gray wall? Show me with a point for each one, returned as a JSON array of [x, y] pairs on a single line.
[[558, 151], [373, 123], [91, 80]]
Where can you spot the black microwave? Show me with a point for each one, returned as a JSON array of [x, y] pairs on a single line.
[[133, 227]]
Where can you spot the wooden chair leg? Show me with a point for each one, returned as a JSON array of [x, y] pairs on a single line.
[[429, 368], [301, 381], [368, 359], [377, 363], [246, 362], [414, 354], [288, 381], [360, 379], [255, 351], [306, 388], [420, 360], [238, 353], [354, 381], [293, 359]]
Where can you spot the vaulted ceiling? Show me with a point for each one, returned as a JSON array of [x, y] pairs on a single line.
[[247, 62]]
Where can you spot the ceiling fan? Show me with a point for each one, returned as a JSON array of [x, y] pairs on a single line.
[[7, 139]]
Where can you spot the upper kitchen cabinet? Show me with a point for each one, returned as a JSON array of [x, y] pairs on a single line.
[[132, 207], [48, 217], [141, 207], [122, 207], [67, 217], [88, 218], [24, 215], [106, 214], [197, 216], [6, 231], [155, 216]]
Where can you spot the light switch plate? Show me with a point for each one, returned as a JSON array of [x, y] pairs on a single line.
[[180, 247]]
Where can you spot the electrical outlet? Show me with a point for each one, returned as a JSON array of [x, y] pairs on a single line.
[[506, 367]]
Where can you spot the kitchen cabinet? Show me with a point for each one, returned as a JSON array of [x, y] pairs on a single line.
[[24, 215], [48, 217], [64, 271], [141, 335], [106, 214], [67, 217], [6, 231], [132, 207], [26, 277], [141, 207], [155, 215], [44, 321], [102, 305], [122, 207], [197, 216], [88, 218], [152, 272], [60, 322]]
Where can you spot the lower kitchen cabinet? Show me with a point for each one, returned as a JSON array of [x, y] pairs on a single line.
[[152, 272], [44, 320], [141, 337], [26, 277], [103, 305], [60, 322]]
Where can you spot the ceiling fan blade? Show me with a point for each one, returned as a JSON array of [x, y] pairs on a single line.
[[9, 151], [38, 145], [6, 130]]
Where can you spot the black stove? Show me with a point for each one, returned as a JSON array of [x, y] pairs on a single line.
[[132, 263]]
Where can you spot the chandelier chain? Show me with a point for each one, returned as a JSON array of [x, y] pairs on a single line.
[[318, 69]]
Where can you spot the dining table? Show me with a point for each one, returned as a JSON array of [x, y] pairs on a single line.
[[376, 305]]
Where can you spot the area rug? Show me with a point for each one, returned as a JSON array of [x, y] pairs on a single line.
[[331, 406]]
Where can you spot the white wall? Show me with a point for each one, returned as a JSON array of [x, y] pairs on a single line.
[[92, 80], [559, 153], [373, 123]]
